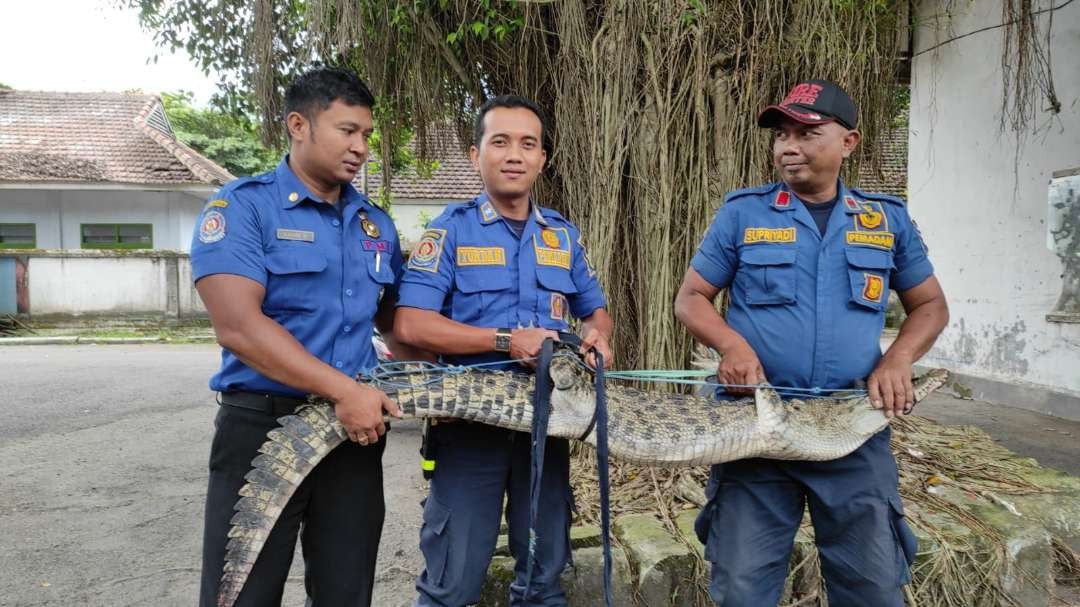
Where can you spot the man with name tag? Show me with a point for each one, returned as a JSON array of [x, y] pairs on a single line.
[[487, 283], [296, 268], [809, 263]]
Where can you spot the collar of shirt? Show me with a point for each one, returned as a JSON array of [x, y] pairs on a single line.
[[784, 198], [293, 190], [487, 212]]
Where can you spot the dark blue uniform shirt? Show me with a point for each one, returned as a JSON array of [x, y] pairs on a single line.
[[471, 267], [324, 271], [812, 307]]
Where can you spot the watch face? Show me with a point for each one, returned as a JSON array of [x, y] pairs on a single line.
[[502, 342]]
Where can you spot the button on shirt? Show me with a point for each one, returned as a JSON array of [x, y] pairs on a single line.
[[471, 267], [324, 272], [812, 307]]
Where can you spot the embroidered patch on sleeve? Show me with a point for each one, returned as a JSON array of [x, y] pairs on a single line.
[[874, 288], [585, 253], [481, 256], [428, 250], [876, 240], [752, 235], [212, 228]]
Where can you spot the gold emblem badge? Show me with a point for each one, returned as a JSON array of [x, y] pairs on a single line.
[[369, 226], [550, 238], [870, 219], [874, 287]]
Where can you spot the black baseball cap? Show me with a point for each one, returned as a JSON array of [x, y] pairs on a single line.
[[812, 102]]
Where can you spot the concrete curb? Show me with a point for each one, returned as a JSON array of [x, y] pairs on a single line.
[[76, 339]]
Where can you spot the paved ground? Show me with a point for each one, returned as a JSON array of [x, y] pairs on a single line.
[[103, 461], [103, 455]]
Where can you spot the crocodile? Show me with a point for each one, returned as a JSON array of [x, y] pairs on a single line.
[[645, 427]]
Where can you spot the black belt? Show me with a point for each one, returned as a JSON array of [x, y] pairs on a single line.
[[271, 404]]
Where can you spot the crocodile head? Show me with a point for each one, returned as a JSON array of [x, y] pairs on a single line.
[[573, 398]]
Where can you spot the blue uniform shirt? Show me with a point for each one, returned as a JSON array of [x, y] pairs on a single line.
[[324, 272], [471, 267], [812, 307]]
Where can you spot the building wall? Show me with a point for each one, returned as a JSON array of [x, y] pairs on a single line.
[[108, 283], [981, 199], [411, 214], [58, 213]]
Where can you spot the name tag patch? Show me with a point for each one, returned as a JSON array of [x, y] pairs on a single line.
[[301, 235], [877, 240], [382, 246], [481, 256], [752, 235]]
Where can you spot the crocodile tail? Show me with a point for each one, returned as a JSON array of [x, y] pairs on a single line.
[[289, 454]]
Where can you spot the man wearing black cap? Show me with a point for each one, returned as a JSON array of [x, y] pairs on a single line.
[[809, 263]]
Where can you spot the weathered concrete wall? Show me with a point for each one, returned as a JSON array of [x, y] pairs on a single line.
[[981, 197], [58, 213], [109, 283]]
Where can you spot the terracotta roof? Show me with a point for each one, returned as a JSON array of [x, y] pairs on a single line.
[[892, 177], [96, 137], [455, 179]]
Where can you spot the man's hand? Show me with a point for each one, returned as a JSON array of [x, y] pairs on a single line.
[[526, 343], [890, 385], [740, 365], [595, 339], [361, 412]]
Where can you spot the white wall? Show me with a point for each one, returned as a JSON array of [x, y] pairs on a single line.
[[109, 283], [59, 213], [981, 200], [409, 215]]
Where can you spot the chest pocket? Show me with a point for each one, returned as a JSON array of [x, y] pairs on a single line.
[[552, 306], [869, 273], [768, 275], [295, 274], [482, 298], [384, 274]]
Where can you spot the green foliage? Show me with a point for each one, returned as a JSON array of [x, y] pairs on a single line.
[[4, 87], [228, 139]]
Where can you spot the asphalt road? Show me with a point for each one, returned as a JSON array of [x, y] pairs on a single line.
[[103, 455]]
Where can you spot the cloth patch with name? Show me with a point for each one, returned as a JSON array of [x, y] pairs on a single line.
[[481, 256], [877, 240], [301, 235], [752, 235], [555, 249], [381, 246]]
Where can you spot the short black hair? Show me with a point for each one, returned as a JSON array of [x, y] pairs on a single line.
[[508, 101], [314, 91]]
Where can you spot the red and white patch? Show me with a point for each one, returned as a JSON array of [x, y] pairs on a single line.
[[851, 204], [783, 200]]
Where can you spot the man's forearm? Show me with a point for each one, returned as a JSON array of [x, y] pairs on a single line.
[[267, 347], [705, 323], [919, 330], [384, 322], [431, 331], [599, 320]]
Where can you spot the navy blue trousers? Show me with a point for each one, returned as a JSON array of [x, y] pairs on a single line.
[[476, 466], [755, 508]]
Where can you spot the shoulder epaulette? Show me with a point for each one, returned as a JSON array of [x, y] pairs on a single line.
[[881, 197], [757, 190]]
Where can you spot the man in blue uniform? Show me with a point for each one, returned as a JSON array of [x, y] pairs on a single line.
[[809, 263], [488, 282], [295, 268]]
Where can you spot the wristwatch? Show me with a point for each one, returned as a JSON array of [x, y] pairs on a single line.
[[502, 340]]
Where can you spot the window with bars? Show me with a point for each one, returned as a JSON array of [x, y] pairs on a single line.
[[117, 236], [18, 236]]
